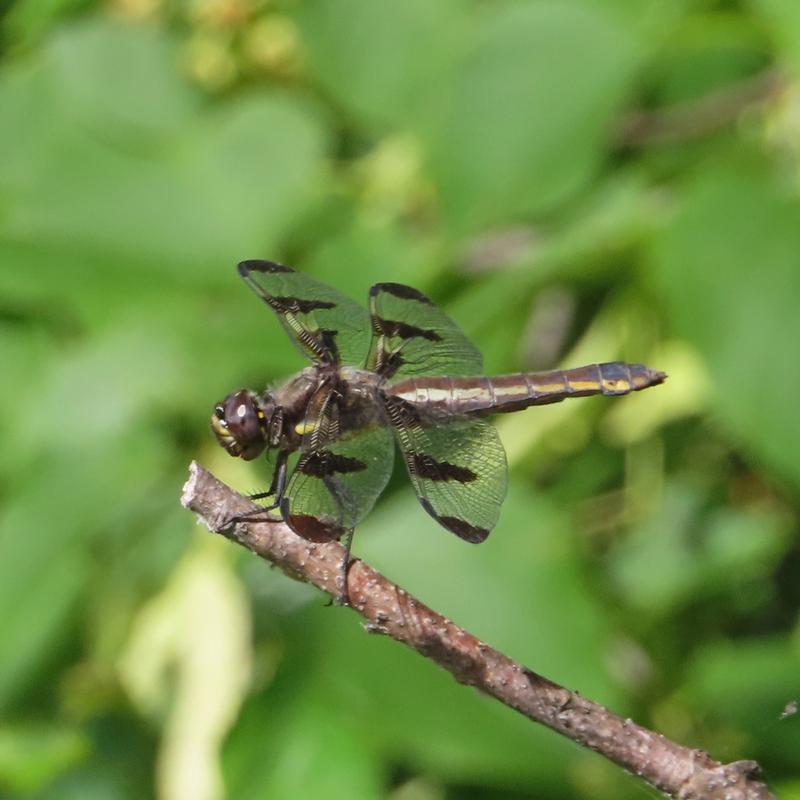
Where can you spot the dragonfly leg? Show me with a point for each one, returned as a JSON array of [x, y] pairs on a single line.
[[347, 541], [256, 515], [278, 483], [344, 598], [276, 490]]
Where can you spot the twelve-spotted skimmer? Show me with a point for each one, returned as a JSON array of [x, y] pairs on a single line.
[[420, 385]]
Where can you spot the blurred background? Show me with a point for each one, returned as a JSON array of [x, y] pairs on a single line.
[[574, 181]]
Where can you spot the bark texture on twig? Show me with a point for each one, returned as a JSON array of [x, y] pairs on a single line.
[[679, 772]]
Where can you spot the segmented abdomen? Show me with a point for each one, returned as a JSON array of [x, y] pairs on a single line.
[[520, 390]]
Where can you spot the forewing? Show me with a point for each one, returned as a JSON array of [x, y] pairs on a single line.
[[412, 336], [458, 469], [325, 325], [336, 480]]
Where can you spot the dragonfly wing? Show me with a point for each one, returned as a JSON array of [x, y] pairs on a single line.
[[458, 469], [325, 325], [337, 478], [412, 336]]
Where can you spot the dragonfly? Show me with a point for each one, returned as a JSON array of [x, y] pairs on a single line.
[[400, 371]]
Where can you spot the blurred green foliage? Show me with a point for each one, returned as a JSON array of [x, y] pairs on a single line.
[[575, 181]]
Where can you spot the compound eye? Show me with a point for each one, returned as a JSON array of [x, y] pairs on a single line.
[[238, 425]]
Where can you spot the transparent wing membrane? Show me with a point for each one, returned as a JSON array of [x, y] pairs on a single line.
[[458, 470], [412, 336], [339, 475], [325, 325]]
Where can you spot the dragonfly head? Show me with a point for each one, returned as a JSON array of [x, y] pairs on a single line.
[[240, 423]]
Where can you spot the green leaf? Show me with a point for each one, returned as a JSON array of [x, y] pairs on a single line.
[[381, 60], [651, 19], [655, 568], [31, 755], [747, 684], [68, 502], [141, 95], [26, 20], [257, 163], [685, 553], [365, 254], [526, 119], [782, 18], [301, 745], [140, 173], [729, 270], [38, 618]]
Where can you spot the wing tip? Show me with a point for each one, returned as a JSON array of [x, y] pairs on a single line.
[[260, 265], [460, 527], [313, 529], [400, 290]]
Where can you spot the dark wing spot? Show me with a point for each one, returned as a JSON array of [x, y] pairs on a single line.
[[426, 466], [313, 528], [391, 327], [460, 527], [322, 463], [399, 290], [259, 265], [296, 305]]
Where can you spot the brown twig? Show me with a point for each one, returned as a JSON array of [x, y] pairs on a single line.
[[679, 772]]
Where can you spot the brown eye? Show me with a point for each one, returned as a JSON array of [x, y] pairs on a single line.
[[237, 424]]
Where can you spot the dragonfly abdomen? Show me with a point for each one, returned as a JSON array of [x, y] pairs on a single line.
[[513, 392]]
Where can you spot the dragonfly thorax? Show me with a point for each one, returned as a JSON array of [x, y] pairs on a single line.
[[241, 423]]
